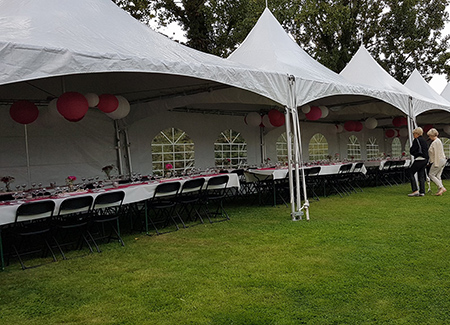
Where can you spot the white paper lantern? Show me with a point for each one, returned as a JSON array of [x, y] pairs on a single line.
[[339, 128], [253, 119], [266, 122], [447, 129], [92, 99], [324, 110], [306, 109], [122, 110], [371, 123], [332, 128], [403, 132]]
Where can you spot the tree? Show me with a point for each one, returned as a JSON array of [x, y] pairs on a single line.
[[400, 34]]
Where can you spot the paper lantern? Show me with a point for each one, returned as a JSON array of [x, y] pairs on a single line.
[[107, 103], [253, 119], [314, 114], [397, 121], [324, 111], [447, 129], [122, 110], [306, 109], [24, 112], [349, 126], [92, 99], [427, 128], [72, 105], [371, 123], [266, 122], [390, 133], [358, 126], [276, 117], [332, 129], [404, 121], [403, 132]]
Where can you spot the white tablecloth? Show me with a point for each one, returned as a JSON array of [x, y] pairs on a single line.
[[280, 173], [133, 193]]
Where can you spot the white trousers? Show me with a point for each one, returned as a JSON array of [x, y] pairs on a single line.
[[436, 172]]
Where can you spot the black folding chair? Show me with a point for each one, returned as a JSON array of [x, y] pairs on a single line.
[[71, 223], [30, 232], [188, 199], [213, 197], [106, 211], [160, 210]]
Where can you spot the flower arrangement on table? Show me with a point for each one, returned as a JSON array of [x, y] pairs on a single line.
[[107, 170], [69, 182], [226, 162], [169, 169], [8, 180]]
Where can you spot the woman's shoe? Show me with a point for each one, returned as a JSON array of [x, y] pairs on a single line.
[[413, 194], [441, 191]]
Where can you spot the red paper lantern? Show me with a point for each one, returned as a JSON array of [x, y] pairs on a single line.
[[427, 128], [24, 112], [397, 121], [276, 118], [72, 105], [314, 114], [404, 121], [358, 126], [350, 126], [107, 103], [390, 133]]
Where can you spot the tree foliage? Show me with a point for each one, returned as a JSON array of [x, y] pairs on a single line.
[[400, 34]]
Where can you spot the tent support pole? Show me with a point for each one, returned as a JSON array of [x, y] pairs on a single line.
[[27, 154], [127, 141], [118, 148], [411, 126]]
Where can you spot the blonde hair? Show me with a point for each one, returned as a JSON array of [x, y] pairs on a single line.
[[433, 132], [418, 131]]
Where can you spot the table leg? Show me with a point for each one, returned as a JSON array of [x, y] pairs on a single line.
[[2, 260]]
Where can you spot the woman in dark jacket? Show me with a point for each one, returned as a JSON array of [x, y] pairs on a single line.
[[419, 150]]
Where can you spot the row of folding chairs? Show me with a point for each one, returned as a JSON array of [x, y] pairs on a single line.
[[84, 221], [79, 220]]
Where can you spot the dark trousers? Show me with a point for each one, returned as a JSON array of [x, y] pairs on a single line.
[[418, 167]]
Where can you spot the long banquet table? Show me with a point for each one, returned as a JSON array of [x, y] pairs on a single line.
[[135, 192]]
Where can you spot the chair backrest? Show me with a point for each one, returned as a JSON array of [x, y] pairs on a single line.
[[74, 205], [358, 167], [313, 171], [166, 189], [345, 168], [217, 182], [35, 210], [108, 199], [192, 186]]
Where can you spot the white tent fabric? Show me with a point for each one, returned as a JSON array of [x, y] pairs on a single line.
[[49, 38], [446, 92], [363, 69], [418, 84], [269, 47]]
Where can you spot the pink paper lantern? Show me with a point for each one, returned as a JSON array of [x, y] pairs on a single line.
[[72, 106], [314, 114], [390, 133], [427, 128], [24, 112], [107, 103], [276, 117], [404, 121], [350, 126], [358, 126], [397, 121]]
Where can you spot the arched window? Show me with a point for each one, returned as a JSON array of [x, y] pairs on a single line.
[[230, 150], [372, 148], [172, 146], [353, 148], [407, 146], [446, 143], [318, 147], [282, 148], [396, 148]]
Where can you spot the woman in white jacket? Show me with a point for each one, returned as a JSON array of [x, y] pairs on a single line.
[[437, 159]]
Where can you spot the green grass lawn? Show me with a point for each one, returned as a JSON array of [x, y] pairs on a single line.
[[377, 257]]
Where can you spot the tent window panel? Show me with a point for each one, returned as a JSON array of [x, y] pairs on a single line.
[[172, 146], [282, 148], [396, 148], [318, 147], [353, 148], [230, 150], [446, 144], [372, 148]]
